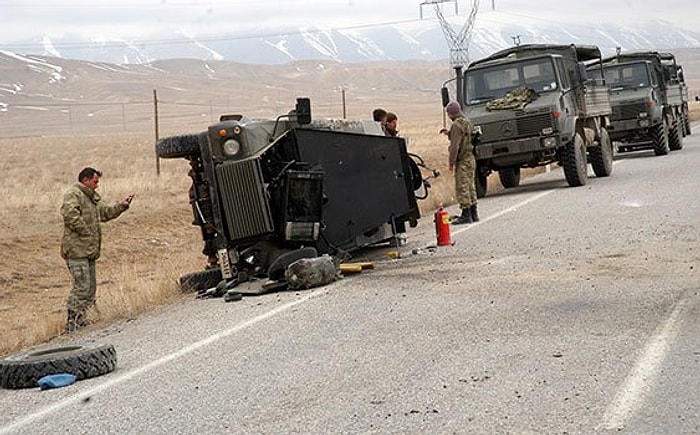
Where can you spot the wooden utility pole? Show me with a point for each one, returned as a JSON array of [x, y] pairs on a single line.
[[155, 121], [342, 93]]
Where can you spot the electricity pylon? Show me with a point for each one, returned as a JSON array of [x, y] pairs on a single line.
[[457, 42]]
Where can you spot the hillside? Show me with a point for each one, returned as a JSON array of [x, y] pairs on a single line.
[[42, 95]]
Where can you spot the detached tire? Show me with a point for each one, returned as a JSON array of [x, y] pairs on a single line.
[[200, 281], [24, 369], [174, 147]]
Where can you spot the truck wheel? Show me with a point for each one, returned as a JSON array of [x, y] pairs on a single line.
[[574, 162], [602, 155], [659, 138], [174, 147], [200, 281], [675, 138], [509, 177], [480, 182], [24, 369], [686, 125]]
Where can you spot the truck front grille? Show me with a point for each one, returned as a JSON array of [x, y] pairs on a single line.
[[628, 111], [520, 127], [245, 207]]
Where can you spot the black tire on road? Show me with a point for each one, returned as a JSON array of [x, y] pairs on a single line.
[[480, 182], [574, 161], [200, 281], [509, 177], [675, 138], [659, 139], [174, 147], [24, 369], [602, 155]]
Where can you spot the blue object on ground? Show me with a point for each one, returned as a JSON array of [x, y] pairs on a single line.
[[57, 380]]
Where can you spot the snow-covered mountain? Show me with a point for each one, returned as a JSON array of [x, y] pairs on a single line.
[[422, 40]]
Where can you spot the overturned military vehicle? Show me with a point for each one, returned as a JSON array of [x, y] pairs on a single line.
[[268, 192]]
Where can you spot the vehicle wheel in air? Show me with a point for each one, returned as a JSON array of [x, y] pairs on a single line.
[[173, 147], [200, 281], [675, 138], [574, 162], [480, 182], [659, 139], [602, 155], [509, 177], [24, 369]]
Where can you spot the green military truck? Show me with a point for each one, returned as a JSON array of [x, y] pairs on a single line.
[[538, 104], [649, 101]]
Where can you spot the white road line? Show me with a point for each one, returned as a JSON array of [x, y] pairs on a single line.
[[505, 211], [26, 420], [639, 382]]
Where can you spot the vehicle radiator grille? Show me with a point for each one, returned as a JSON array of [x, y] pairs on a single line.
[[520, 127], [245, 207], [628, 111]]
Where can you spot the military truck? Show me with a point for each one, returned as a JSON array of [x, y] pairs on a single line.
[[534, 105], [649, 101], [267, 192]]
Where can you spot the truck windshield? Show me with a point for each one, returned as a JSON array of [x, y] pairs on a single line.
[[629, 76], [485, 84]]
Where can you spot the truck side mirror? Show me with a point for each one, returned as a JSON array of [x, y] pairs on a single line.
[[303, 111], [445, 94]]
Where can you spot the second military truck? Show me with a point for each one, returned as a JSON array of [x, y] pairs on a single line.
[[538, 104], [649, 101]]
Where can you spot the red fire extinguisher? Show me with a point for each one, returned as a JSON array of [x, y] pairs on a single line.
[[442, 227]]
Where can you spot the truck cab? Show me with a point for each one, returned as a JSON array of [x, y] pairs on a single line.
[[534, 105]]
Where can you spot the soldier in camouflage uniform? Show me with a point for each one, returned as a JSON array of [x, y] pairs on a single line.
[[82, 212], [462, 162]]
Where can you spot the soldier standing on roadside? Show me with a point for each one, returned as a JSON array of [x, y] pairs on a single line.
[[462, 162], [82, 212]]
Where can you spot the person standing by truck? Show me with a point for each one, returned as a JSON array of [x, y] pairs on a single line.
[[82, 212], [462, 162]]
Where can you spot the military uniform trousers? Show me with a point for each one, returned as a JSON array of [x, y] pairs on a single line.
[[465, 189], [82, 294]]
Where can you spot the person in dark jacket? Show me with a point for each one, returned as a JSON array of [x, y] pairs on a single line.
[[82, 212]]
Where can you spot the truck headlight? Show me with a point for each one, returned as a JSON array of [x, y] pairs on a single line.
[[546, 131], [643, 115], [231, 147], [549, 142], [644, 123]]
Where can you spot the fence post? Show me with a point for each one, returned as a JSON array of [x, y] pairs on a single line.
[[155, 119]]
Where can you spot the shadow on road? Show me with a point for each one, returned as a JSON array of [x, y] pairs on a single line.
[[530, 185]]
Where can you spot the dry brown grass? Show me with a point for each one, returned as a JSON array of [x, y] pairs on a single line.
[[144, 251], [147, 249]]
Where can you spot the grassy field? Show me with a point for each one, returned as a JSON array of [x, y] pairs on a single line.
[[144, 251]]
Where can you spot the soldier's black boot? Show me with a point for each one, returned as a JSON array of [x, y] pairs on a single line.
[[474, 213], [464, 218]]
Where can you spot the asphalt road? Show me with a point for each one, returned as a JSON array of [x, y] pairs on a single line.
[[565, 310]]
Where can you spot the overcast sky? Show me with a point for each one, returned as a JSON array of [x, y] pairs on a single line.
[[141, 20]]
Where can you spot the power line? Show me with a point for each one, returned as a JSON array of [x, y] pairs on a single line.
[[210, 38]]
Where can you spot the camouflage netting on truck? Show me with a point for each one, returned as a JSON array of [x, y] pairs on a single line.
[[516, 99]]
